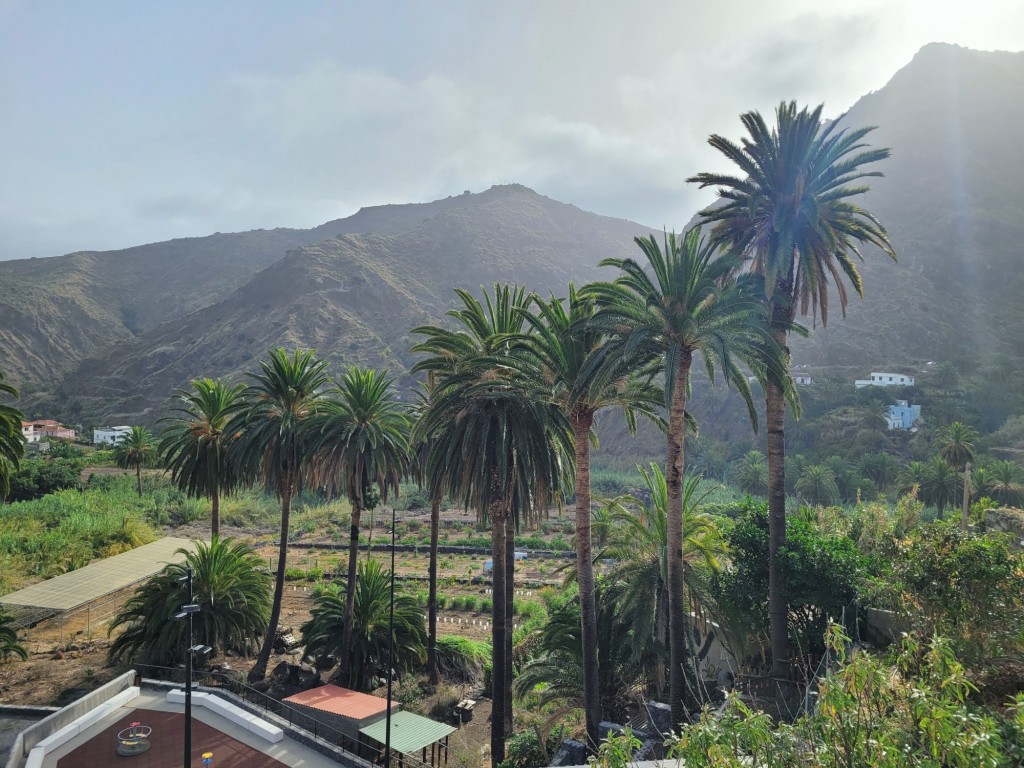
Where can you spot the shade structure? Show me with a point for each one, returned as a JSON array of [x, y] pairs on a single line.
[[410, 732], [102, 577]]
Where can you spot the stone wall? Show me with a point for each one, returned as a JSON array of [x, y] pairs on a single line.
[[1006, 520]]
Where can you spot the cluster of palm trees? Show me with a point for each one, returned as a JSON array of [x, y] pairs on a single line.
[[513, 383]]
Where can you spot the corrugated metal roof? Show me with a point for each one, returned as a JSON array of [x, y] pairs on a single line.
[[99, 578], [342, 701], [410, 733]]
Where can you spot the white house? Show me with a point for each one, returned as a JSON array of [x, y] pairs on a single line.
[[884, 379], [109, 435], [802, 379]]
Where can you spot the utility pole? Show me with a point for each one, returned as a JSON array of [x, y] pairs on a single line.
[[966, 511], [186, 612], [391, 649]]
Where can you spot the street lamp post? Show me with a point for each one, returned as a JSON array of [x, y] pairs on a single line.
[[186, 612], [391, 648]]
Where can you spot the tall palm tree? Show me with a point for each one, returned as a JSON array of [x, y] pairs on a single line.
[[274, 444], [686, 304], [194, 444], [367, 647], [790, 212], [957, 443], [230, 586], [565, 344], [363, 444], [136, 450], [434, 485], [9, 645], [499, 443], [12, 442], [640, 579]]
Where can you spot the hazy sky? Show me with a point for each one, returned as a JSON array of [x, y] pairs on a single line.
[[131, 122]]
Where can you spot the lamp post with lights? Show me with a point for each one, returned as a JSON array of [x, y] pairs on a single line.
[[186, 612]]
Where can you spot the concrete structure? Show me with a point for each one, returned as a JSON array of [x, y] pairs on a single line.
[[87, 733], [884, 379], [902, 415], [802, 379], [109, 435]]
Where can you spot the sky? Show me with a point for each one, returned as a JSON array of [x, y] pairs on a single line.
[[124, 123]]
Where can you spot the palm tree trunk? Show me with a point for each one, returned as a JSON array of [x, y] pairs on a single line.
[[682, 701], [350, 593], [510, 602], [215, 514], [499, 681], [138, 479], [582, 420], [435, 524], [775, 418], [259, 671]]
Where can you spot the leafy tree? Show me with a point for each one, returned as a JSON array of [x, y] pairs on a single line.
[[368, 644], [9, 645], [275, 445], [818, 485], [363, 444], [912, 712], [966, 587], [229, 584], [194, 444], [683, 303], [566, 345], [881, 468], [38, 476], [789, 212], [821, 569], [12, 442], [499, 443], [957, 443], [136, 450], [639, 580]]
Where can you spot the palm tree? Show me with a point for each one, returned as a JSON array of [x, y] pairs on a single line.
[[367, 647], [136, 450], [566, 344], [751, 474], [498, 442], [9, 645], [818, 485], [229, 584], [12, 442], [434, 487], [939, 484], [555, 673], [687, 305], [363, 444], [789, 211], [274, 444], [957, 443], [1006, 482], [640, 579], [194, 444]]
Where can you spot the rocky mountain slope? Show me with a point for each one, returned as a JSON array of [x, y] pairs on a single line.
[[354, 297]]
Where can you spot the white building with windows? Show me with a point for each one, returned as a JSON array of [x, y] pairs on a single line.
[[109, 435], [885, 379]]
